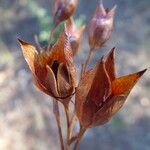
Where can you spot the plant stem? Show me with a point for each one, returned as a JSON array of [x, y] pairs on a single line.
[[73, 139], [80, 135], [72, 124], [38, 46], [81, 72], [90, 54], [57, 116], [66, 108]]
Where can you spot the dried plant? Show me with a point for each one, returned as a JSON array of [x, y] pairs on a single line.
[[100, 93]]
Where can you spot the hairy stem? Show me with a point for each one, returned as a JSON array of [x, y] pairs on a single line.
[[57, 116]]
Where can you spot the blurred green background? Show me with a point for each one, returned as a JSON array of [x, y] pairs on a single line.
[[26, 119]]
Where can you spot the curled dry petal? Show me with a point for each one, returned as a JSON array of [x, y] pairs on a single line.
[[101, 85], [110, 64], [98, 89], [121, 88], [124, 84], [50, 82], [41, 87], [63, 79], [40, 65], [84, 111], [57, 52], [29, 52], [62, 52], [108, 110]]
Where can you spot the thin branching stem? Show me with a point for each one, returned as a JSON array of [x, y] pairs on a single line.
[[72, 123], [81, 72], [57, 116], [72, 137], [79, 137], [66, 108], [90, 54], [38, 46]]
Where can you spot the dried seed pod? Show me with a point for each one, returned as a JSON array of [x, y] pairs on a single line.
[[100, 26], [54, 72], [63, 10], [104, 94], [75, 34]]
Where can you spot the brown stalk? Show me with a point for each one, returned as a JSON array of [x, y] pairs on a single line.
[[90, 54], [73, 139], [57, 116], [66, 108], [38, 46], [72, 124], [79, 137], [81, 72]]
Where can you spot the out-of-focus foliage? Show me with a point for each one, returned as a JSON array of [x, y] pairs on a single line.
[[45, 21]]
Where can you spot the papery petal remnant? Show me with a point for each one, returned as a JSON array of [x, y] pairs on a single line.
[[104, 94], [51, 69]]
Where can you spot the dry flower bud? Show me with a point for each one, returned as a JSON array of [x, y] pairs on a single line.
[[63, 10], [75, 34], [100, 26], [104, 94], [53, 72]]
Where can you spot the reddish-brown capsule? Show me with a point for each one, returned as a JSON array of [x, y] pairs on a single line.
[[63, 10], [75, 34], [54, 72], [101, 94], [100, 26]]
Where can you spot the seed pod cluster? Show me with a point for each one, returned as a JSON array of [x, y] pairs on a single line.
[[99, 93]]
